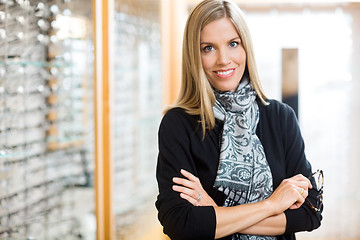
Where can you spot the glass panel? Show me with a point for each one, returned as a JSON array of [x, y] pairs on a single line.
[[137, 112], [46, 128]]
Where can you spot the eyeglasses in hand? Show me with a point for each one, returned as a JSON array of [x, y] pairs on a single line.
[[319, 185]]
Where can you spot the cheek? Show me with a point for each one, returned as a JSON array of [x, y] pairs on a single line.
[[243, 58], [207, 62], [240, 56]]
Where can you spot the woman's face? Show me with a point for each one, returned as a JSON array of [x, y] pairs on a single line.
[[222, 54]]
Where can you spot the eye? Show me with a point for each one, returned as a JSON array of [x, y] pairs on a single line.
[[234, 44], [208, 48]]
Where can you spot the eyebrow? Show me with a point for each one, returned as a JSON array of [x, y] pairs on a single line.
[[229, 41]]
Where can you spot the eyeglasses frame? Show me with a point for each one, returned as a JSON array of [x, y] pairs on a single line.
[[320, 196]]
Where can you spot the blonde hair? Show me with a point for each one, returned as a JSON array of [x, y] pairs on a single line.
[[196, 95]]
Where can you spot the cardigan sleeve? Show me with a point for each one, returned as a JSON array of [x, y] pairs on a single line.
[[303, 218], [180, 219]]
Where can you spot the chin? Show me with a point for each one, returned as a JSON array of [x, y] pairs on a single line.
[[227, 88]]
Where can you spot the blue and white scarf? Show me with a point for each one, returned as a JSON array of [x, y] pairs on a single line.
[[244, 174]]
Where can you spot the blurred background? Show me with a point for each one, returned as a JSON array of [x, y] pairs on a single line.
[[83, 85]]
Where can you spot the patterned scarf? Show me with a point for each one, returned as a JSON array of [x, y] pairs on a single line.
[[244, 174]]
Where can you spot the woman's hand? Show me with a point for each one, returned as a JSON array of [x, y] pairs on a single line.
[[191, 190], [290, 194]]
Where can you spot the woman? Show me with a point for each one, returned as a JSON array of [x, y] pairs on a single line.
[[231, 162]]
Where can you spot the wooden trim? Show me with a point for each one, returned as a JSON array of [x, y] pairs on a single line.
[[103, 174], [165, 53], [173, 16], [290, 72], [97, 182]]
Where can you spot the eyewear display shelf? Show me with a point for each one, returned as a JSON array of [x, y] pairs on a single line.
[[137, 113], [45, 118]]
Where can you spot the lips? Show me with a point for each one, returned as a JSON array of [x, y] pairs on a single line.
[[226, 73]]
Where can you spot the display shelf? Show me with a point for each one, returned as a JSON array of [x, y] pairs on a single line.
[[45, 131]]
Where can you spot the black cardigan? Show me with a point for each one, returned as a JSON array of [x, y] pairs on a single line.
[[181, 147]]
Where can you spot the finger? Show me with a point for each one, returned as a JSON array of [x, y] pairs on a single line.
[[302, 178], [300, 202], [295, 206], [192, 193], [303, 192], [299, 182], [188, 175], [190, 199], [184, 182], [304, 185]]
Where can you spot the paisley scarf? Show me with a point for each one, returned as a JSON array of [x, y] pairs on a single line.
[[243, 174]]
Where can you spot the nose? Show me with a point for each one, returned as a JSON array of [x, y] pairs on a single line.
[[223, 57]]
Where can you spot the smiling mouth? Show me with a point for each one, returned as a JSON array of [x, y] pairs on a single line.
[[225, 74]]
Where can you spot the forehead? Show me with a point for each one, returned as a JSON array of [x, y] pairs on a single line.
[[220, 29]]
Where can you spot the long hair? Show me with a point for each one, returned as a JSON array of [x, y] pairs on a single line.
[[196, 95]]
